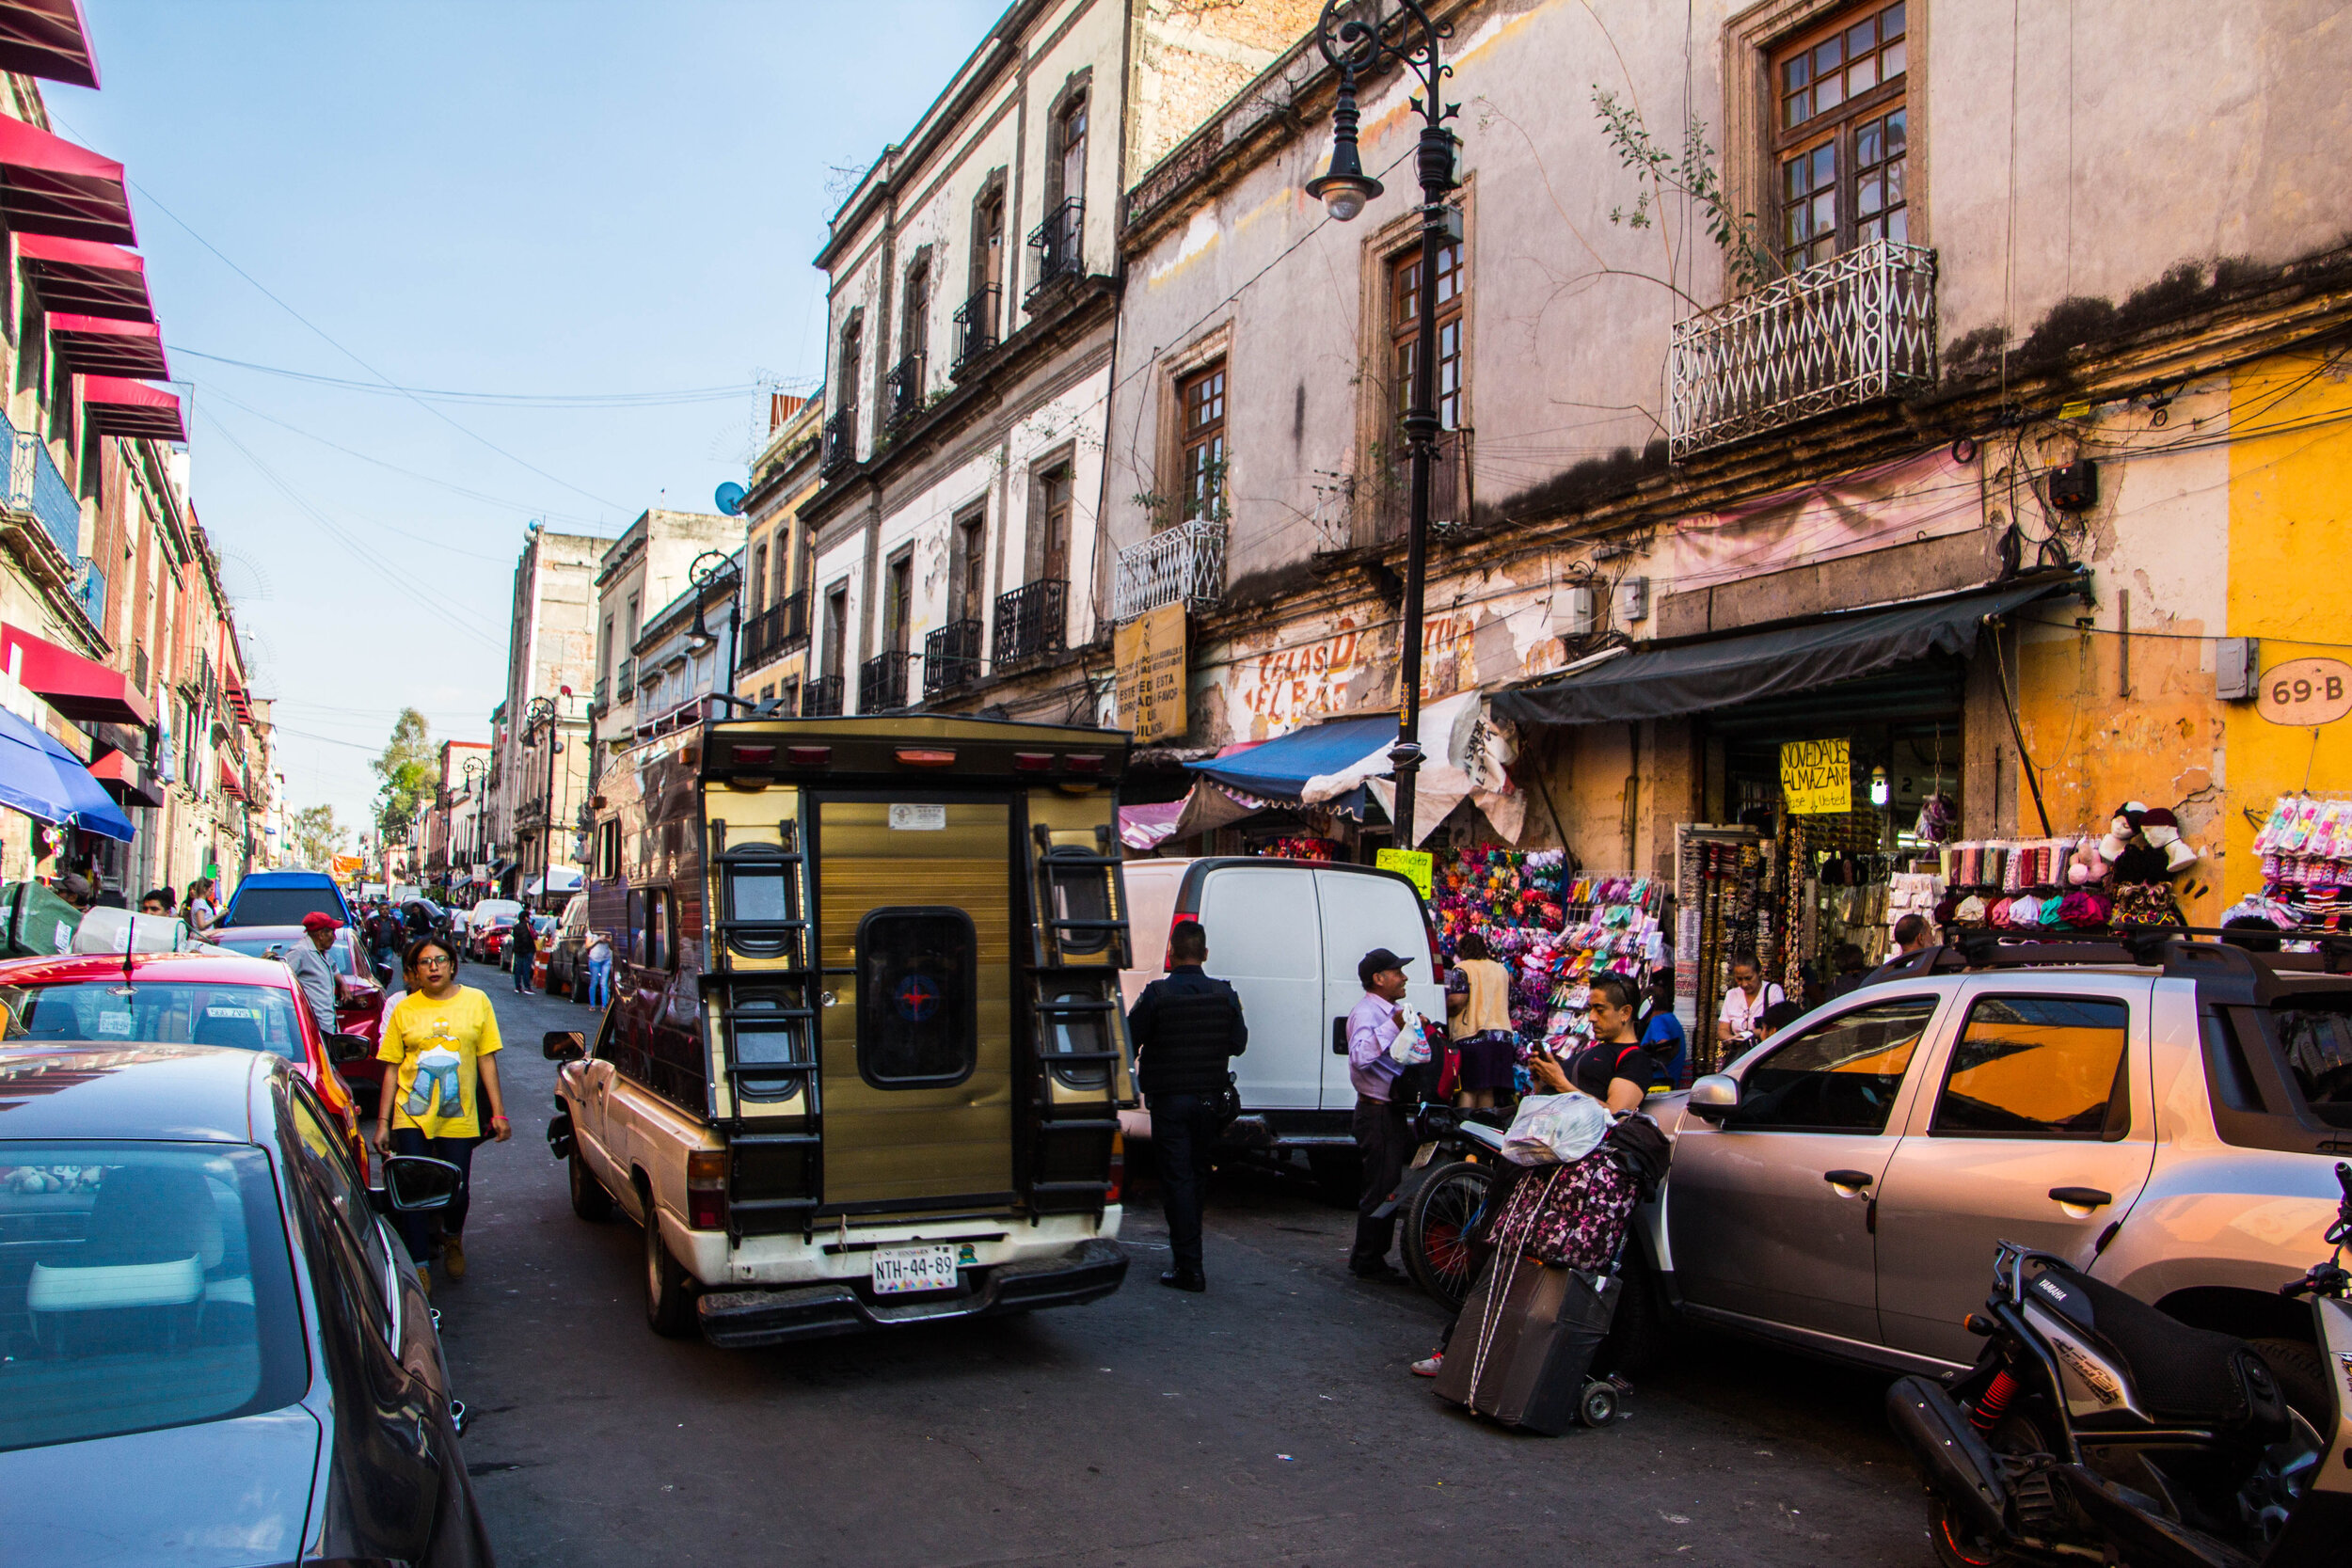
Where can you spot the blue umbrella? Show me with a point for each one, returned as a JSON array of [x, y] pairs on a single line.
[[41, 778]]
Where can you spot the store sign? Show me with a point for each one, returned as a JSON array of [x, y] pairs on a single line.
[[1414, 865], [1149, 652], [2306, 691], [1816, 776]]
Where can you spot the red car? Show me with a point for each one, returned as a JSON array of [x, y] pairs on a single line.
[[360, 1012], [178, 999]]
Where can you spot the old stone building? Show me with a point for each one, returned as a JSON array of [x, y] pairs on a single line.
[[772, 660]]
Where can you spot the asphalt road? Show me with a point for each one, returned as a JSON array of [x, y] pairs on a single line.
[[1271, 1420]]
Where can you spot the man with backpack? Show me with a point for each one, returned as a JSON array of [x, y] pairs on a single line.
[[1186, 1028]]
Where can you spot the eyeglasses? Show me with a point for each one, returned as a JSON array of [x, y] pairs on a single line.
[[442, 962]]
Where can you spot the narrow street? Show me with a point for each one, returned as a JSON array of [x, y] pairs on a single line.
[[1270, 1420]]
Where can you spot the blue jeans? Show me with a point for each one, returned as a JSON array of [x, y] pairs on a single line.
[[522, 970], [599, 984]]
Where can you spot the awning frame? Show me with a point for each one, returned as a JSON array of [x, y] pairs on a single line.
[[49, 185], [87, 277]]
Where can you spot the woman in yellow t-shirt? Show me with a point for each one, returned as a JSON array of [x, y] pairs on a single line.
[[442, 1044]]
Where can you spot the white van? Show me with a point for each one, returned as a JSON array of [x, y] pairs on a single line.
[[1287, 934]]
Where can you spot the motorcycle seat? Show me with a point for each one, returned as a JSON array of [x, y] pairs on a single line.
[[2178, 1373]]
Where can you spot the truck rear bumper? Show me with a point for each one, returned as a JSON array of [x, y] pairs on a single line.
[[739, 1320]]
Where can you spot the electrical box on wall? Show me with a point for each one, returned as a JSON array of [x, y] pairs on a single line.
[[2074, 488], [1632, 601], [2237, 668], [1576, 611]]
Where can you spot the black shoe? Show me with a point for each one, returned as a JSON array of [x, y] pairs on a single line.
[[1184, 1279], [1378, 1269]]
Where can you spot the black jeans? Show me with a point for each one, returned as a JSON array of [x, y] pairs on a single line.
[[418, 1229], [1385, 1138], [1185, 1136]]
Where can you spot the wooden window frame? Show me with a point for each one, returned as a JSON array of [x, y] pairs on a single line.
[[898, 605], [1838, 131], [1210, 434], [1041, 473], [1401, 278]]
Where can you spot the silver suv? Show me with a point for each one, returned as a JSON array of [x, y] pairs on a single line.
[[2166, 1114]]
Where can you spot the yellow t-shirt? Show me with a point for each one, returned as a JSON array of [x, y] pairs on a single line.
[[436, 1046]]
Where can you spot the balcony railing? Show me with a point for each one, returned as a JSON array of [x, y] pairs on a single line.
[[624, 682], [976, 322], [1185, 565], [882, 683], [820, 697], [36, 488], [603, 693], [775, 631], [951, 657], [1449, 491], [1031, 619], [1845, 331], [840, 441], [1059, 245], [89, 592], [906, 386]]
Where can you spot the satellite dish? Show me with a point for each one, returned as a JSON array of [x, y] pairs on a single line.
[[730, 498]]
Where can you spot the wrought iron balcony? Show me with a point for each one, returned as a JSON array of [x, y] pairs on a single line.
[[1031, 619], [906, 386], [1059, 245], [775, 631], [976, 322], [882, 683], [820, 697], [624, 682], [1185, 565], [840, 441], [1849, 330], [951, 657]]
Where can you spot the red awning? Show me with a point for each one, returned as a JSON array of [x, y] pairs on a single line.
[[125, 780], [239, 702], [119, 407], [83, 690], [86, 275], [48, 185], [47, 37], [100, 345], [229, 780]]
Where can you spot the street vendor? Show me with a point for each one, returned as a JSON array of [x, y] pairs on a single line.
[[1744, 1002], [1478, 1013]]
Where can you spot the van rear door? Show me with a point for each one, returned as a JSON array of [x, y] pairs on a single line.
[[1363, 910], [1261, 921], [915, 926]]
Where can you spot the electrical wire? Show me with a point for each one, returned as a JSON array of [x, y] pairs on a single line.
[[513, 400]]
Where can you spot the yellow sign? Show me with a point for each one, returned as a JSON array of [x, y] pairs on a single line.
[[1816, 776], [2305, 691], [1149, 652], [1414, 864]]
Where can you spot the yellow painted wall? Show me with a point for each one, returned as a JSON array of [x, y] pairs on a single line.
[[2290, 576]]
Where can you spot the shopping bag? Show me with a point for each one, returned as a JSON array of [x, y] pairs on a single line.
[[1553, 1129], [1412, 1046]]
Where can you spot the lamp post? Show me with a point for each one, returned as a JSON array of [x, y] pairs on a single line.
[[707, 566], [1354, 47], [542, 711]]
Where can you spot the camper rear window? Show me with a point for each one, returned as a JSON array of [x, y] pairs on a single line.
[[916, 972]]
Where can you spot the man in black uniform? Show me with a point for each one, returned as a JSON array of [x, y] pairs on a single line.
[[1186, 1027]]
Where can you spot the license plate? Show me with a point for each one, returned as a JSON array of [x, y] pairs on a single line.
[[899, 1269], [1421, 1156]]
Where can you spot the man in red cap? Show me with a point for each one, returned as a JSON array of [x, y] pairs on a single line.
[[308, 959]]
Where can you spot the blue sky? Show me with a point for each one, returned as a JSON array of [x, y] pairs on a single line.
[[550, 198]]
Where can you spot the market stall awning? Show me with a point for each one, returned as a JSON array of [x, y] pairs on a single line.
[[47, 38], [82, 689], [122, 776], [1721, 672], [48, 185], [41, 778], [1148, 826], [102, 345], [117, 406], [88, 276], [1278, 769]]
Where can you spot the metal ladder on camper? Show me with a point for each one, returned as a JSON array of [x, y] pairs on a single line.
[[735, 938], [1074, 1001]]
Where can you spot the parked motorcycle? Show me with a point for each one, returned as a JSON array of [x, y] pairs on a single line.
[[2096, 1428], [1443, 1193]]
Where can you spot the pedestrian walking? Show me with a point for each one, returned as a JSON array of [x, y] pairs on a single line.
[[321, 987], [1185, 1028], [1478, 1009], [599, 970], [525, 940], [203, 915], [1383, 1135], [442, 1041]]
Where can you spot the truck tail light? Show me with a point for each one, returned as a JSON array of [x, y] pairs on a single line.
[[1118, 1167], [921, 756], [706, 1188]]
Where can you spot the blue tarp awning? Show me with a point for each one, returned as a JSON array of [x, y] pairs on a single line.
[[1278, 771], [41, 778]]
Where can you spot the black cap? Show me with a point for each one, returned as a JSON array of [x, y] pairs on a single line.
[[1374, 961]]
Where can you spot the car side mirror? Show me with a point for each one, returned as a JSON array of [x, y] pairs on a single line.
[[1715, 1096], [417, 1184], [563, 1045], [343, 1049]]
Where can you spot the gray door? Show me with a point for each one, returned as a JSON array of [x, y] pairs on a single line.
[[1768, 1214], [2044, 1093]]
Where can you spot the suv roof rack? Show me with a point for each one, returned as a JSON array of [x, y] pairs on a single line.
[[2203, 953]]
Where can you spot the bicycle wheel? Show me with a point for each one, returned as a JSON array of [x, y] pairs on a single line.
[[1437, 1230]]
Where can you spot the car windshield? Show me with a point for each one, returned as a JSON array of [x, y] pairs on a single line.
[[282, 906], [146, 1285], [161, 1012], [337, 953]]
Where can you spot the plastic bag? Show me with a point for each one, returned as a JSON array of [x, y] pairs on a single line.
[[1412, 1046], [1553, 1129]]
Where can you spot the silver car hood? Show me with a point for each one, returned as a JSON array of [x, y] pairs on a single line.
[[216, 1495]]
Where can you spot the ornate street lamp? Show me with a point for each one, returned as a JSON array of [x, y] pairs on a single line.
[[707, 568], [1355, 47]]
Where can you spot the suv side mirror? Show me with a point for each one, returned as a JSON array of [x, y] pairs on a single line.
[[417, 1184], [564, 1045], [1715, 1096], [343, 1049]]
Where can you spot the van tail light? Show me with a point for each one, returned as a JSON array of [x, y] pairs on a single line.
[[1168, 954], [1436, 949], [1118, 1167], [706, 1188]]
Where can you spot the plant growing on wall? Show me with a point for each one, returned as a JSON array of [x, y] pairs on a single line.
[[1659, 174]]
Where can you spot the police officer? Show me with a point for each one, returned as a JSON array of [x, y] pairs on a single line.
[[1185, 1028]]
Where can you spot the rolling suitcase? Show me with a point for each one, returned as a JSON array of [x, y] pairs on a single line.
[[1524, 1360]]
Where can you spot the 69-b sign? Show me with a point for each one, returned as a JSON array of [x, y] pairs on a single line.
[[2306, 691]]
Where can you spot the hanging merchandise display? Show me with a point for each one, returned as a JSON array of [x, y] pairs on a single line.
[[1616, 925], [1300, 848], [1513, 899], [1721, 892], [2306, 850], [2073, 882]]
